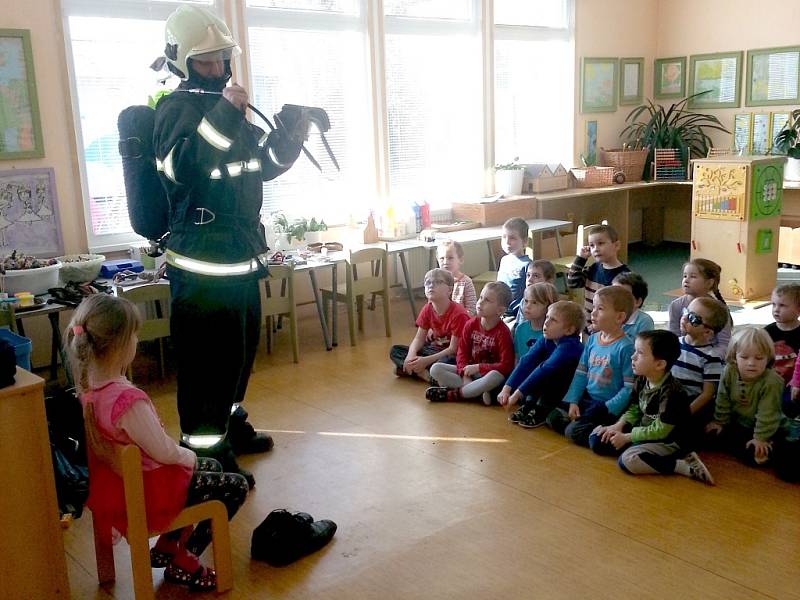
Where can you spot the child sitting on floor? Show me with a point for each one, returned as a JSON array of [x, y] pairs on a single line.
[[439, 326], [700, 364], [747, 414], [701, 277], [604, 247], [101, 342], [485, 352], [542, 376], [639, 320], [513, 241], [451, 258], [538, 297], [538, 271], [654, 431], [785, 334], [601, 389]]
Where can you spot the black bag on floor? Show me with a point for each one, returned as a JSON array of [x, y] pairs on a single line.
[[8, 364], [68, 447]]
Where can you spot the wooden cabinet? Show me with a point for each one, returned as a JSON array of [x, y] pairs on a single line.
[[32, 561]]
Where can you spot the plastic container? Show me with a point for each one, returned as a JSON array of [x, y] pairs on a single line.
[[110, 268], [35, 281], [80, 267], [22, 347]]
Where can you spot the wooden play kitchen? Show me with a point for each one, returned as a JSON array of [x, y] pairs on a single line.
[[736, 214]]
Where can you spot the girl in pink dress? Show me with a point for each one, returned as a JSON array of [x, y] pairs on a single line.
[[101, 342]]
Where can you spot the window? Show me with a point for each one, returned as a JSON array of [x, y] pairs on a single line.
[[111, 50], [534, 72], [434, 100], [317, 59], [405, 96]]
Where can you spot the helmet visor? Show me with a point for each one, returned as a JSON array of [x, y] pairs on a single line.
[[217, 55]]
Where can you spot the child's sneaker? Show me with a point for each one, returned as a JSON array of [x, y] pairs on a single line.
[[487, 398], [697, 469], [518, 414], [436, 394], [533, 420]]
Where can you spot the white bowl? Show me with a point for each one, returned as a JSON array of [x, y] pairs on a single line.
[[35, 281], [80, 267]]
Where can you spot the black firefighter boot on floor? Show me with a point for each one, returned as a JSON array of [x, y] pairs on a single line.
[[244, 438]]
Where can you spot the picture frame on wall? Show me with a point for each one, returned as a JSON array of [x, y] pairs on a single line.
[[29, 212], [760, 138], [21, 129], [669, 77], [773, 76], [717, 77], [598, 85], [777, 121], [742, 132], [631, 81]]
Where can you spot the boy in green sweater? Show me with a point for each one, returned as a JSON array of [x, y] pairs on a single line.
[[654, 431]]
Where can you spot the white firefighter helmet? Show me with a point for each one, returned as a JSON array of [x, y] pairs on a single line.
[[192, 31]]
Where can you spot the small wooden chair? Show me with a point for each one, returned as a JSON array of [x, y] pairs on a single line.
[[354, 289], [127, 462], [273, 305], [156, 328]]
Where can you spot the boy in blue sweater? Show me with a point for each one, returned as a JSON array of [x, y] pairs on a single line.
[[542, 375], [601, 388]]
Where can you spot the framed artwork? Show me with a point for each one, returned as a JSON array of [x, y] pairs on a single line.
[[598, 85], [760, 138], [717, 77], [764, 241], [20, 128], [591, 142], [29, 213], [669, 78], [773, 76], [777, 121], [742, 132], [631, 81]]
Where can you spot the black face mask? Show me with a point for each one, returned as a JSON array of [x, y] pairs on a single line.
[[209, 84]]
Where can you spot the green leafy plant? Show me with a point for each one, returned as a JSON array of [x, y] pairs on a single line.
[[788, 140], [512, 166], [297, 228], [651, 125]]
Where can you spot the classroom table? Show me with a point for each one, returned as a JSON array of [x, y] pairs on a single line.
[[401, 248]]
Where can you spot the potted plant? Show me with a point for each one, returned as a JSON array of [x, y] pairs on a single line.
[[788, 142], [315, 229], [300, 230], [653, 126], [508, 178]]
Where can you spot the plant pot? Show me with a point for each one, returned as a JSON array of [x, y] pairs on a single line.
[[313, 237], [509, 181], [791, 172]]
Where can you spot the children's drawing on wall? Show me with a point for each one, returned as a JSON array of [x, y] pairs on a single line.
[[29, 213]]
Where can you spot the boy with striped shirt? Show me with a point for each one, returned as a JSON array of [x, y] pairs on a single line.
[[700, 365]]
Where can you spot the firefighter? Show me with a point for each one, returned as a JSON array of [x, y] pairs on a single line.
[[212, 162]]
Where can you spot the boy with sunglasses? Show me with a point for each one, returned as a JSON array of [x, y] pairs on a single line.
[[700, 364]]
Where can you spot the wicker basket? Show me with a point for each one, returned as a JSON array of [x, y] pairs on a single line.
[[630, 162], [593, 177]]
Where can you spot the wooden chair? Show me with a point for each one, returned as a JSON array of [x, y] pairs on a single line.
[[354, 289], [127, 462], [273, 305], [156, 328]]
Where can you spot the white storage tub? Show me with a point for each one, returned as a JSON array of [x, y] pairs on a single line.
[[35, 281]]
